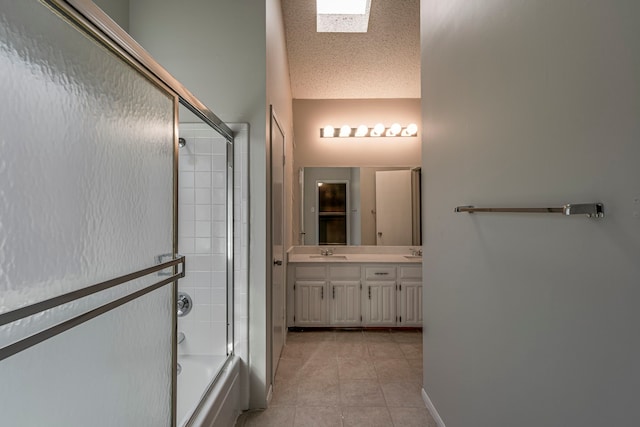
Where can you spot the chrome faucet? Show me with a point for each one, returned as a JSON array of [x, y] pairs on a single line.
[[326, 252], [416, 252]]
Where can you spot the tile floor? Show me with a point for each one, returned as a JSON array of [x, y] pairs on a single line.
[[347, 379]]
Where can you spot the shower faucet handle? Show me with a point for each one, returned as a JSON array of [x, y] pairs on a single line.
[[184, 303]]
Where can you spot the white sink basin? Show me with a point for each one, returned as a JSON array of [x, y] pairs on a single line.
[[328, 257]]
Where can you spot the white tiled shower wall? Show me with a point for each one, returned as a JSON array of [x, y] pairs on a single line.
[[201, 238]]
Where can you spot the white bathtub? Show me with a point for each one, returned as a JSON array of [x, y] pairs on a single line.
[[193, 381]]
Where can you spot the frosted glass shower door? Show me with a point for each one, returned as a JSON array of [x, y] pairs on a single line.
[[87, 229]]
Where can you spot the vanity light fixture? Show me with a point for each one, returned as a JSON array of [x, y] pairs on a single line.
[[362, 131]]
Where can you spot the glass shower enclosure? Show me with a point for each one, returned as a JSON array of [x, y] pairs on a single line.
[[89, 230]]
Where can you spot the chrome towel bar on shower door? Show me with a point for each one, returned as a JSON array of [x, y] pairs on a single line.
[[591, 210]]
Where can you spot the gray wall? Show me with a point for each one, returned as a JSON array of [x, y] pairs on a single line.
[[531, 320], [118, 10]]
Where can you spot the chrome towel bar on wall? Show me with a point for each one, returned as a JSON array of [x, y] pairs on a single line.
[[590, 210]]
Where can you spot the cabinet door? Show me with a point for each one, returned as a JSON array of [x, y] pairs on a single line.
[[410, 294], [310, 303], [380, 303], [345, 303]]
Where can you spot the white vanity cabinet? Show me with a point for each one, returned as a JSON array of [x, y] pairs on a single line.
[[310, 296], [379, 296], [410, 296], [345, 286], [354, 294]]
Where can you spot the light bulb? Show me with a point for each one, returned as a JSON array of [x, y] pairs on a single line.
[[378, 130], [394, 130], [345, 131], [362, 130], [328, 132], [411, 130]]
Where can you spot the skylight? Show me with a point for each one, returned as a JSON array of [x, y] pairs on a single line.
[[342, 7], [342, 16]]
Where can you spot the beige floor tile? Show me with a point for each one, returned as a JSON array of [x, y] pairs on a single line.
[[366, 417], [349, 336], [416, 368], [298, 350], [310, 336], [378, 336], [361, 393], [407, 337], [354, 350], [316, 393], [411, 351], [387, 350], [288, 369], [326, 349], [415, 363], [280, 416], [389, 370], [319, 416], [322, 370], [412, 417], [347, 379], [354, 369], [284, 394], [403, 394]]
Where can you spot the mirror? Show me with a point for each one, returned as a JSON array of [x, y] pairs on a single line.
[[360, 206]]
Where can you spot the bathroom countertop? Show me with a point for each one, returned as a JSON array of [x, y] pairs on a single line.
[[363, 258]]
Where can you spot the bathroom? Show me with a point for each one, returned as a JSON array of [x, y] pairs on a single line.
[[214, 319], [487, 289]]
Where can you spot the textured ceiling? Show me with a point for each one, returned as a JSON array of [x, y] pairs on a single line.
[[381, 63]]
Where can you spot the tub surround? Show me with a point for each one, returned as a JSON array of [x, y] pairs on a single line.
[[357, 254]]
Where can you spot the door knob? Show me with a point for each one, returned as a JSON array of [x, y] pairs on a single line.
[[277, 262]]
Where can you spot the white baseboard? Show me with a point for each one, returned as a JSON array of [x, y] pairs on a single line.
[[269, 394], [432, 409]]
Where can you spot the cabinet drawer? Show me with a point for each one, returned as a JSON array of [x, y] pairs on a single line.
[[344, 272], [411, 272], [380, 273], [310, 272]]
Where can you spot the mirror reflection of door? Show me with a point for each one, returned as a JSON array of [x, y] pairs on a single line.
[[332, 209], [394, 208], [278, 330]]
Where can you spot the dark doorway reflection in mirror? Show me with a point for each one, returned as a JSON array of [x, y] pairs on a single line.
[[332, 210]]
